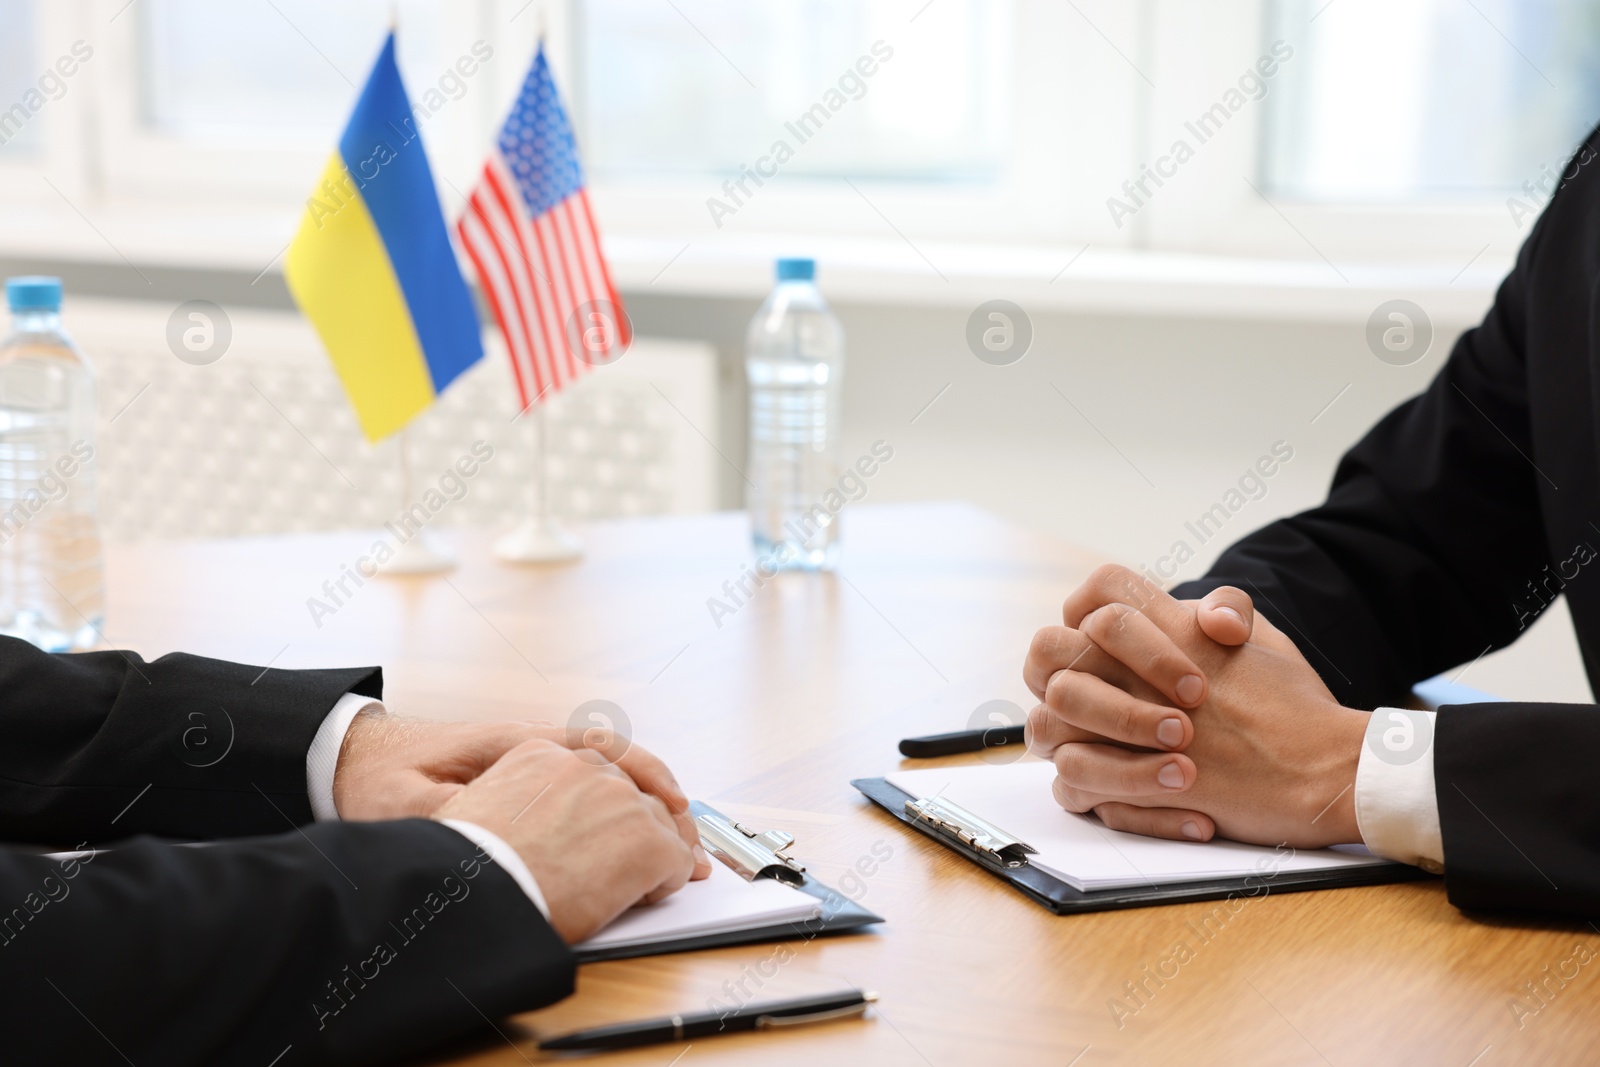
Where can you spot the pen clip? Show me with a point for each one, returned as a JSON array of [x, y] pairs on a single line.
[[773, 1022], [951, 821], [750, 854]]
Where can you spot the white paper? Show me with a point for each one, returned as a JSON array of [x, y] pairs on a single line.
[[717, 904], [1079, 850]]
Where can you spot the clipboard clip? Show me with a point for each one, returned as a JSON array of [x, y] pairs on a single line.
[[752, 855], [951, 821]]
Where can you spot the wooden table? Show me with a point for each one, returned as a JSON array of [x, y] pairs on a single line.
[[810, 684]]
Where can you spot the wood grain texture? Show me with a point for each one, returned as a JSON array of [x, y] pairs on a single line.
[[809, 684]]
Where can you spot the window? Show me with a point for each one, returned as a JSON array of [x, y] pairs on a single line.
[[266, 75], [710, 87], [1430, 99], [987, 120], [19, 134], [232, 104]]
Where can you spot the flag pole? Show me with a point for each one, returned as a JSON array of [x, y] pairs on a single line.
[[539, 537], [417, 553]]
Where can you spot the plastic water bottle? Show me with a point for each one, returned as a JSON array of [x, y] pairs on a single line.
[[52, 588], [794, 357]]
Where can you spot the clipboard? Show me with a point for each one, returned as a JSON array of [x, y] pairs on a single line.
[[751, 855], [1003, 856]]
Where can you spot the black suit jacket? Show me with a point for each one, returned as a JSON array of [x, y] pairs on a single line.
[[1448, 528], [320, 943]]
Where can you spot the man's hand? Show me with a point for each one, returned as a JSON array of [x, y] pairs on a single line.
[[397, 768], [1264, 752], [593, 841]]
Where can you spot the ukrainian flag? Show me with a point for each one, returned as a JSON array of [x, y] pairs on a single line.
[[373, 269]]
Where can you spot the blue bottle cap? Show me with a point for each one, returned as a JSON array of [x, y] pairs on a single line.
[[797, 270], [34, 292]]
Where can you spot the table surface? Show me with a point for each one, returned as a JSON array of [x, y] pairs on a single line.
[[769, 711]]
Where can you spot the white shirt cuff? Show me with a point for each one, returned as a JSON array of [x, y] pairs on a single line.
[[496, 849], [322, 758], [1397, 805]]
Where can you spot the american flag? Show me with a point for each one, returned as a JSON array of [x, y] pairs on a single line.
[[531, 236]]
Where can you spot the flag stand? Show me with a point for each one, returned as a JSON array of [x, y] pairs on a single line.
[[538, 537], [418, 553]]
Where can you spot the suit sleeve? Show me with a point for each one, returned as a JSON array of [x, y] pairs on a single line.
[[104, 745], [1517, 807], [1421, 558], [1430, 531], [344, 943]]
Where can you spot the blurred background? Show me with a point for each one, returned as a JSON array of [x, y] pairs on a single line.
[[1337, 155]]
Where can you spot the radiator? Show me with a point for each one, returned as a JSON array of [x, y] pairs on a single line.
[[262, 440]]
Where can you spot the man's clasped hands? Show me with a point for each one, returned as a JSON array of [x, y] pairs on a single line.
[[1190, 719]]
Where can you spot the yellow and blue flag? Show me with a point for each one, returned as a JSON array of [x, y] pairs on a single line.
[[373, 269]]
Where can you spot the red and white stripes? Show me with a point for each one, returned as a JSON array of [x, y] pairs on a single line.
[[538, 272]]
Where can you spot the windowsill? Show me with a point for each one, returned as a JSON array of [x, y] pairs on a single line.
[[851, 270], [1099, 281]]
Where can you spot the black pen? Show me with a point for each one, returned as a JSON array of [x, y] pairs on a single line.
[[960, 741], [709, 1023]]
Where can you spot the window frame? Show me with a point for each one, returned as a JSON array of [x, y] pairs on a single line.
[[1142, 66]]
